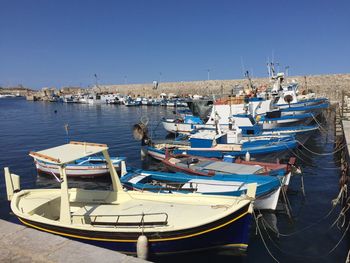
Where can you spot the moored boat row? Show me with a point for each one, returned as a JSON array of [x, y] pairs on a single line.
[[217, 174]]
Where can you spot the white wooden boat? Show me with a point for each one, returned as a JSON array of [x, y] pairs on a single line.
[[89, 167], [117, 218]]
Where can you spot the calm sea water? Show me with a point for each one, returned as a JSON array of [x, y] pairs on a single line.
[[27, 126]]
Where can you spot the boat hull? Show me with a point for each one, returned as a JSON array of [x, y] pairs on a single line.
[[230, 231], [268, 201], [160, 155], [87, 171]]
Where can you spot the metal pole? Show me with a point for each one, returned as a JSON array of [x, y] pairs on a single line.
[[65, 206]]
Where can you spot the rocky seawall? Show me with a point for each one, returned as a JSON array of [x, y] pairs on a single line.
[[330, 86]]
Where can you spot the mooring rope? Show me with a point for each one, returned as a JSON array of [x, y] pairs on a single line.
[[308, 163], [261, 236], [307, 256], [323, 154], [319, 124], [294, 254], [348, 257], [342, 216], [335, 202], [59, 180]]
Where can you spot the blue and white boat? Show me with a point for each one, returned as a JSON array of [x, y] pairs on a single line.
[[271, 121], [87, 167], [130, 102], [267, 195], [250, 127], [208, 143]]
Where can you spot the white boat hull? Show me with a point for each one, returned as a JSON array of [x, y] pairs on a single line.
[[268, 202], [73, 171]]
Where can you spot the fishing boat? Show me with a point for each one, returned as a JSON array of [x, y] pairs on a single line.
[[267, 193], [287, 95], [88, 167], [280, 105], [213, 144], [115, 218], [261, 125], [273, 121], [210, 166], [130, 103], [7, 95]]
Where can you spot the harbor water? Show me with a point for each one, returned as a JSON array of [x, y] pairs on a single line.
[[309, 237]]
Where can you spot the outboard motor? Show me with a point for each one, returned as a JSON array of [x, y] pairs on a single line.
[[288, 98], [140, 133]]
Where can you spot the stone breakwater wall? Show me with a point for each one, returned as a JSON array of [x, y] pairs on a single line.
[[330, 86]]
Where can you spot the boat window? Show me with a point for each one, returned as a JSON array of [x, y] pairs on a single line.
[[96, 161], [250, 132]]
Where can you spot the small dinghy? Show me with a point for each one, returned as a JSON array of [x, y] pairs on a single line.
[[89, 167], [115, 218]]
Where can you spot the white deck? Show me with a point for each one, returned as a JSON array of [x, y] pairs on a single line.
[[233, 168], [214, 186], [131, 211]]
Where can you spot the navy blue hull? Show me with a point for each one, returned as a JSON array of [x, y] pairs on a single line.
[[235, 236], [231, 231]]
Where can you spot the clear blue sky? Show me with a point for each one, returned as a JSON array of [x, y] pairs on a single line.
[[57, 43]]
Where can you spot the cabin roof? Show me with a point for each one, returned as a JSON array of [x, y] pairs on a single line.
[[68, 153]]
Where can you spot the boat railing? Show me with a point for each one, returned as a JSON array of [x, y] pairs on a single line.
[[119, 222], [170, 187], [193, 186]]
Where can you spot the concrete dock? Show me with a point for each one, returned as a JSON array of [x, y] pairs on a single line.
[[22, 244], [346, 129]]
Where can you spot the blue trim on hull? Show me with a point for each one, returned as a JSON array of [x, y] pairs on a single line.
[[266, 184], [306, 108], [303, 103]]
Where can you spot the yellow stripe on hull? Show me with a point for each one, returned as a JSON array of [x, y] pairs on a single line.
[[132, 240]]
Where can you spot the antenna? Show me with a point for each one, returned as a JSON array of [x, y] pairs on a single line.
[[287, 71], [96, 82], [268, 67]]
